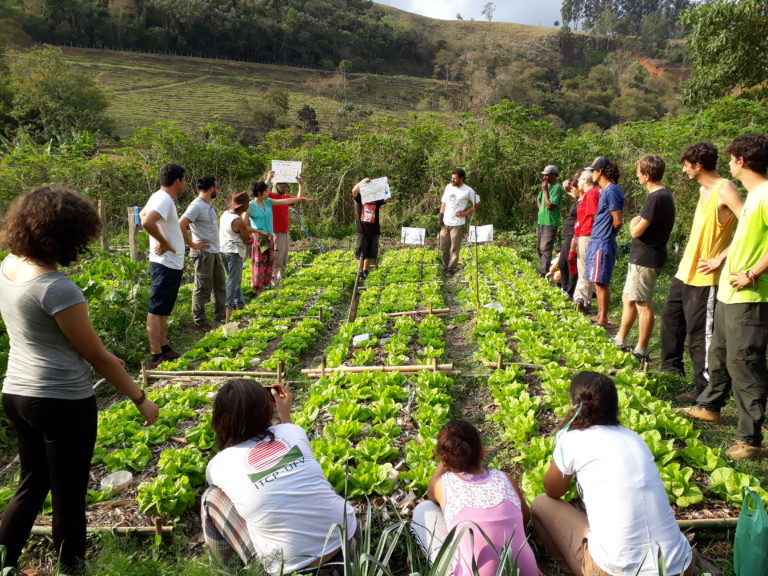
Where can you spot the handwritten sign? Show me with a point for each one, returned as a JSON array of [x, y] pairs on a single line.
[[286, 171], [412, 236], [480, 234], [376, 189]]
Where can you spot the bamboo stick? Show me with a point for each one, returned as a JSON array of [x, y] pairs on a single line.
[[120, 530], [708, 524], [360, 369], [430, 312], [523, 364], [204, 373]]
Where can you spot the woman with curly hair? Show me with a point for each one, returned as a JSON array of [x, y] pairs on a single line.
[[268, 499], [485, 506], [47, 392], [628, 519]]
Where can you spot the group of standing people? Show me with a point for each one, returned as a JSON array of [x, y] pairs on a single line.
[[718, 299], [218, 249]]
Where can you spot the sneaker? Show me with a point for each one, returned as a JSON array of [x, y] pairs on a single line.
[[743, 451], [170, 354], [701, 413]]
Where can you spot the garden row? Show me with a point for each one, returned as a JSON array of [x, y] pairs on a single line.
[[530, 324]]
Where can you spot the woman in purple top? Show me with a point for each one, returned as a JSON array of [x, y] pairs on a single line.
[[473, 499]]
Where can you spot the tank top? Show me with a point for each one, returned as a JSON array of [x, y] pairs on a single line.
[[230, 241], [487, 501], [708, 238]]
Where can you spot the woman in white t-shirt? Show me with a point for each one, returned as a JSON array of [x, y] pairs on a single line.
[[628, 515], [268, 498]]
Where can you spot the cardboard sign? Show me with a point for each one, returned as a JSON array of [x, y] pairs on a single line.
[[413, 236], [376, 189], [480, 234], [286, 171]]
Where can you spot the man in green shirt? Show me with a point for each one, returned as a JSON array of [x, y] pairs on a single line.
[[737, 351], [548, 203]]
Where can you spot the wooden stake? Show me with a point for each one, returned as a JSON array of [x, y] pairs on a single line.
[[280, 372], [144, 373], [104, 234], [360, 369], [119, 530], [500, 363], [431, 311], [132, 231], [323, 364], [434, 365], [207, 373]]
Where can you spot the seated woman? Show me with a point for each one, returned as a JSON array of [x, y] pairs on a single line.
[[473, 497], [268, 498], [628, 515]]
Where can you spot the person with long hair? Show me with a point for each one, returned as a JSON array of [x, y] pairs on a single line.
[[628, 520], [268, 498], [485, 506], [48, 391], [261, 226]]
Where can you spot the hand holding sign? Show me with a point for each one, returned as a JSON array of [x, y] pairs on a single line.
[[373, 190]]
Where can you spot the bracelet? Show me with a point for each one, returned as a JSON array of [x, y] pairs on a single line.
[[140, 400], [751, 276]]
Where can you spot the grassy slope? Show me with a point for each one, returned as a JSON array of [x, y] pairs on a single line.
[[144, 88]]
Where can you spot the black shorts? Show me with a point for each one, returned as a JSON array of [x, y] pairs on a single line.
[[366, 246], [165, 288]]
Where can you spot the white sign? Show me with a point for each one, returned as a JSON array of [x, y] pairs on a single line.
[[413, 236], [373, 190], [286, 171], [480, 233]]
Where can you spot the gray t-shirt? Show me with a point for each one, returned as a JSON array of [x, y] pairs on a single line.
[[42, 362], [203, 224]]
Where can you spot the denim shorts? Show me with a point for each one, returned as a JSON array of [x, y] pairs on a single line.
[[165, 288]]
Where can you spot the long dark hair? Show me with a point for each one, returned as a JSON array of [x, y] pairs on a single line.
[[595, 402], [242, 411], [459, 446]]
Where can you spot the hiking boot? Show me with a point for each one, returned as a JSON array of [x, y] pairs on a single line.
[[743, 451], [701, 413]]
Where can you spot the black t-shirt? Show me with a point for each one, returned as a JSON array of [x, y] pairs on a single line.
[[570, 221], [367, 216], [650, 249]]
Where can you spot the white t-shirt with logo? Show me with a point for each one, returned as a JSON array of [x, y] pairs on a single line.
[[279, 489], [457, 199], [162, 203], [627, 506]]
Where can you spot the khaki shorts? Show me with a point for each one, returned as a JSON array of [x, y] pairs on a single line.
[[640, 283]]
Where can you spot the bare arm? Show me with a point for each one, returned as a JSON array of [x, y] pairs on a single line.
[[290, 201], [617, 219], [729, 196], [356, 188], [149, 220], [184, 225], [435, 488], [749, 277], [555, 483], [283, 402], [76, 326], [241, 228], [523, 504], [268, 179], [545, 190], [637, 226], [301, 187]]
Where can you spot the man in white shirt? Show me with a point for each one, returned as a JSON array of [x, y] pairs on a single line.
[[166, 259], [200, 218], [453, 211]]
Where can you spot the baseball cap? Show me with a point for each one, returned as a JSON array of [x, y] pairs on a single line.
[[600, 163], [550, 169]]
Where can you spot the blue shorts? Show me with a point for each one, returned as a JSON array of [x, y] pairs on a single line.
[[165, 288], [599, 262]]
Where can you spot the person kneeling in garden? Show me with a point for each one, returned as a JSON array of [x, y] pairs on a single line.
[[629, 520], [486, 507], [268, 498]]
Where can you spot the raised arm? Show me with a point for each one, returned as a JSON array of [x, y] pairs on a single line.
[[291, 201], [356, 188]]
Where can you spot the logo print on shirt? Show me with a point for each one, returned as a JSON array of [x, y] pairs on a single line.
[[266, 458], [369, 213]]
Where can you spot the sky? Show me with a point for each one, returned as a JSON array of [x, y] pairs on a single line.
[[539, 13]]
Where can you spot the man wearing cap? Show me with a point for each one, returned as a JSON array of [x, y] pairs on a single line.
[[601, 252], [548, 204], [233, 239], [280, 224], [210, 279], [453, 212]]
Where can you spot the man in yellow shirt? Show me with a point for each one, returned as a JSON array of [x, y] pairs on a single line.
[[738, 350], [690, 307]]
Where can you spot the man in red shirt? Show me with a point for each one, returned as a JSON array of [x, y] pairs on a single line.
[[280, 226]]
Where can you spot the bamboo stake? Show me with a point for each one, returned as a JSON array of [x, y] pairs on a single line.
[[104, 233], [144, 373], [204, 373], [433, 312], [280, 372], [120, 530], [523, 364], [360, 369], [708, 524]]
